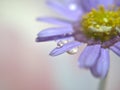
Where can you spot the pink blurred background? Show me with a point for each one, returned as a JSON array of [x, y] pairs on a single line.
[[26, 65]]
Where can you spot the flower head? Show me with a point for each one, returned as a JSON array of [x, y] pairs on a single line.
[[94, 22]]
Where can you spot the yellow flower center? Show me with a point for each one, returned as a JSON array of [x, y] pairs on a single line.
[[101, 24]]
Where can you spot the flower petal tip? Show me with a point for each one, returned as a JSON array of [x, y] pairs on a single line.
[[96, 75], [101, 67], [37, 39], [54, 53], [38, 19]]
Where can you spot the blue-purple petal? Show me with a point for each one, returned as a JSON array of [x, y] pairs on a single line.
[[72, 5], [55, 31], [101, 68], [117, 2], [64, 48], [55, 21], [58, 7], [89, 4], [115, 50], [51, 38], [105, 3], [89, 56], [117, 45]]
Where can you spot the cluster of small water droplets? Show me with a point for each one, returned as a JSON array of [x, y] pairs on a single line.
[[71, 51]]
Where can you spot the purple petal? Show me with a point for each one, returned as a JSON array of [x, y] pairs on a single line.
[[64, 48], [115, 50], [117, 45], [57, 6], [100, 69], [73, 5], [89, 4], [89, 56], [50, 38], [55, 31], [55, 21], [105, 3], [117, 2]]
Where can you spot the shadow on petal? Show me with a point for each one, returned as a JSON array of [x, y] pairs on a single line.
[[89, 56]]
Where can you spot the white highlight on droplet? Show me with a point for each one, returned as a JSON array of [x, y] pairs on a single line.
[[73, 51]]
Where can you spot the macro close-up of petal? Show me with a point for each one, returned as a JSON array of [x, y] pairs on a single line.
[[89, 56], [101, 67], [55, 31]]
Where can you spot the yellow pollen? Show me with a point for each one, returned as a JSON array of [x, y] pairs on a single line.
[[105, 20], [101, 24]]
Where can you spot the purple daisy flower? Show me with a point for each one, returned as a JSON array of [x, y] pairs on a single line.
[[93, 22]]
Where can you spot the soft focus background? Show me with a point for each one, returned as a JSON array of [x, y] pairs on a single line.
[[26, 65]]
